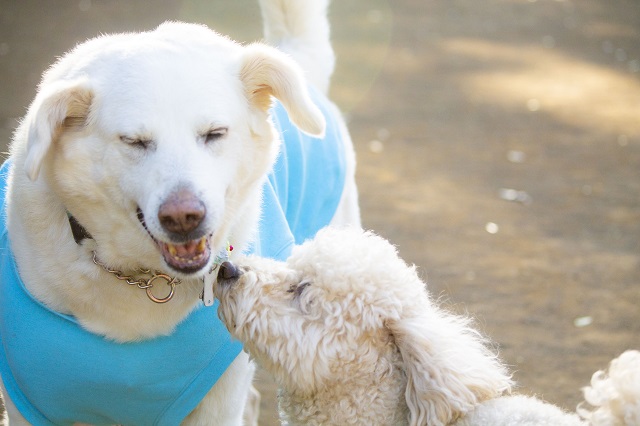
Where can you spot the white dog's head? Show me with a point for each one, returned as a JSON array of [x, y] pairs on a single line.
[[345, 312], [159, 142]]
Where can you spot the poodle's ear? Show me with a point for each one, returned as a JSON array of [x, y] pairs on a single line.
[[267, 72], [63, 103], [433, 394], [448, 370]]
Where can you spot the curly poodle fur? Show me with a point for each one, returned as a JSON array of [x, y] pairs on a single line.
[[352, 336], [615, 396]]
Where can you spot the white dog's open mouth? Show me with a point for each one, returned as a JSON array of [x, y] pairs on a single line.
[[187, 258]]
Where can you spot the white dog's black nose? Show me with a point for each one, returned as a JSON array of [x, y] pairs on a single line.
[[228, 271], [182, 212]]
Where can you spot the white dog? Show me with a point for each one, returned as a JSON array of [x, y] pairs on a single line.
[[143, 158], [351, 335]]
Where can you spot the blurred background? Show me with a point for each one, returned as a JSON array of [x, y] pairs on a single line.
[[498, 145]]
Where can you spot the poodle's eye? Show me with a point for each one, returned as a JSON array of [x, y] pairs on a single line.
[[298, 289]]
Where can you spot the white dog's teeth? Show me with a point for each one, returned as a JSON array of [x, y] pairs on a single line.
[[202, 244], [188, 255]]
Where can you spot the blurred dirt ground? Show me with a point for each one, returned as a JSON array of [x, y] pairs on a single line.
[[498, 144]]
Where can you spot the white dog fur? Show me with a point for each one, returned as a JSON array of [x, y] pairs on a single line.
[[351, 335], [120, 122]]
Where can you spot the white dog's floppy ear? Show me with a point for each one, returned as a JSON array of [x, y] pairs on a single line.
[[268, 72], [58, 104], [448, 369]]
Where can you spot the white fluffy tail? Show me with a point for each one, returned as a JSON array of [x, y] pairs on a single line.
[[615, 396], [300, 28]]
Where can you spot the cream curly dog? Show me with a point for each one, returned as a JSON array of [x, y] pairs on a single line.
[[352, 336]]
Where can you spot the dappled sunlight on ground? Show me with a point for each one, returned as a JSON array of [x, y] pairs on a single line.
[[574, 91]]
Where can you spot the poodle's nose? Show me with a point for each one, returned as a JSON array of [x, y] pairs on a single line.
[[228, 271]]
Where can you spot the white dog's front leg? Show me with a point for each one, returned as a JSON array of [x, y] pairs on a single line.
[[224, 405], [252, 407], [12, 415]]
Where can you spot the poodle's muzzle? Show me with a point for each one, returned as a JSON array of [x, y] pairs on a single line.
[[228, 273]]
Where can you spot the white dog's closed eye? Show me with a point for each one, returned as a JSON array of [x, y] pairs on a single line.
[[214, 134], [140, 142]]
